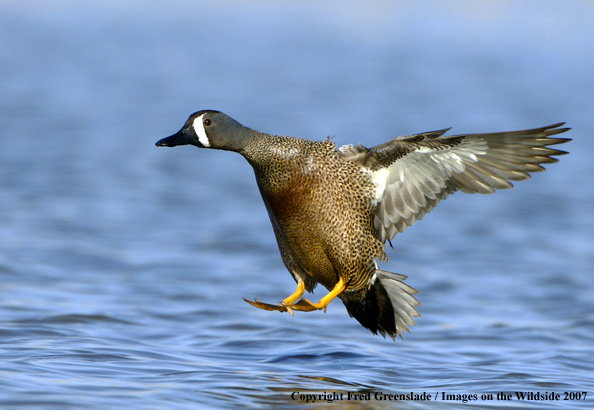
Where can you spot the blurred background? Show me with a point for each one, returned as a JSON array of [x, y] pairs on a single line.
[[122, 265]]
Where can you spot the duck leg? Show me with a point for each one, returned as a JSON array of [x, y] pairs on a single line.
[[305, 305]]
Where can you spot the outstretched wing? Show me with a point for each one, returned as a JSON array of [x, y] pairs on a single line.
[[413, 173]]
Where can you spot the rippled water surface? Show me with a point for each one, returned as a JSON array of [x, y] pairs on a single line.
[[123, 265]]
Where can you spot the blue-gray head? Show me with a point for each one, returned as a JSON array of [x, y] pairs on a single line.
[[210, 129]]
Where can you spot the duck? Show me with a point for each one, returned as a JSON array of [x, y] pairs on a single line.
[[333, 208]]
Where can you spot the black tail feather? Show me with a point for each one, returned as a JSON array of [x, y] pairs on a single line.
[[387, 307]]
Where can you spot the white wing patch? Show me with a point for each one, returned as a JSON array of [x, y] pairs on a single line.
[[200, 131], [379, 178]]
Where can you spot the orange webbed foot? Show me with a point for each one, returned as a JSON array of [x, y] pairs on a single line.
[[302, 305]]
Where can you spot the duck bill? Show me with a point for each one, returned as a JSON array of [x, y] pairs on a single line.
[[182, 137]]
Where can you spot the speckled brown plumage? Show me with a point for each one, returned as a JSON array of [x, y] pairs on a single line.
[[319, 205]]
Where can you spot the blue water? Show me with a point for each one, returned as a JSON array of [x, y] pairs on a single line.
[[123, 265]]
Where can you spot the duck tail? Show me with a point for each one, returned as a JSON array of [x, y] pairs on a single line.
[[387, 307]]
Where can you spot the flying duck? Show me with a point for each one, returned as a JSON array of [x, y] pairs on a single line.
[[333, 209]]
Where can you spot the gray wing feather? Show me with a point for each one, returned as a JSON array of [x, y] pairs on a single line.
[[413, 173]]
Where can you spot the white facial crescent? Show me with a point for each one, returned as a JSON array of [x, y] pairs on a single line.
[[200, 131]]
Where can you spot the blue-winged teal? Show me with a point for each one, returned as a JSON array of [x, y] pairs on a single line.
[[332, 210]]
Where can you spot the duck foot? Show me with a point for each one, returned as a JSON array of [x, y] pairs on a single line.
[[302, 305], [266, 306]]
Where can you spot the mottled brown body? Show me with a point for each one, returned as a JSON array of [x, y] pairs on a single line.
[[319, 205]]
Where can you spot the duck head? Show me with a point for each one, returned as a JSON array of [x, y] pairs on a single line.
[[210, 129]]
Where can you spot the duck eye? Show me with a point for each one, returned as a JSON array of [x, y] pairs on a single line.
[[207, 122]]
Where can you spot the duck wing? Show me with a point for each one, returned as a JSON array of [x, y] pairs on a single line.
[[413, 173]]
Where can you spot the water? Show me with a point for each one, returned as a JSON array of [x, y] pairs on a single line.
[[122, 266]]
